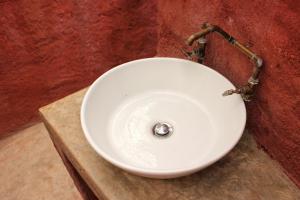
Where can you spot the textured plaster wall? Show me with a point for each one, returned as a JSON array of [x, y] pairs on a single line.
[[49, 49]]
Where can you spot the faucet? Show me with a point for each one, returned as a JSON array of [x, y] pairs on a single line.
[[246, 91]]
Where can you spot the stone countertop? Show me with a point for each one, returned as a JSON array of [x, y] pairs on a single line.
[[245, 173]]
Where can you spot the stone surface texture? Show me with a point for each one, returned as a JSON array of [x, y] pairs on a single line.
[[49, 49], [31, 169], [245, 173]]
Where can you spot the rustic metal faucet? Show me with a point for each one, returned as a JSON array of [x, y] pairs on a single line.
[[245, 91]]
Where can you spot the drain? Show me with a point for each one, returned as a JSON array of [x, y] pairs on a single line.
[[162, 129]]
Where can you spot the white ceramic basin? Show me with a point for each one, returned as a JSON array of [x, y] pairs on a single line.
[[122, 106]]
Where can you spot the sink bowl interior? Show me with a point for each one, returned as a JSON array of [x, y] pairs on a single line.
[[122, 106]]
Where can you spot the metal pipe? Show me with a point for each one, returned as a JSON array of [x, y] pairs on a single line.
[[247, 90]]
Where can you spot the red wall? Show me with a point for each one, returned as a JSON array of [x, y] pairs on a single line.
[[49, 49]]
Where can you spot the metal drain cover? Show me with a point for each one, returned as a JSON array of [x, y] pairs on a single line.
[[162, 129]]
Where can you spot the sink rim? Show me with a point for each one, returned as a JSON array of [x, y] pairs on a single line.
[[154, 173]]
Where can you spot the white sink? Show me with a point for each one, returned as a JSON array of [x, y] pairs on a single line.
[[196, 125]]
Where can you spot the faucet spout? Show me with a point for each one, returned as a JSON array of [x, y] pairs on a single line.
[[246, 92]]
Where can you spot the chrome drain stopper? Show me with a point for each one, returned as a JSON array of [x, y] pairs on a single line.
[[162, 129]]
